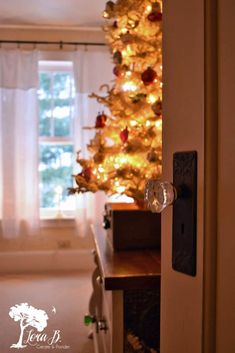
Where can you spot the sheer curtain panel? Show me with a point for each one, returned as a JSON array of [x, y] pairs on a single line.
[[92, 68], [19, 204]]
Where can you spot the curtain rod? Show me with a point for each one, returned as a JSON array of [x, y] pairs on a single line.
[[60, 43]]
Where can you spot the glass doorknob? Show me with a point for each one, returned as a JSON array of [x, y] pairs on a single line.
[[159, 195]]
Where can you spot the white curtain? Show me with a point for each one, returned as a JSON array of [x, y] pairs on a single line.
[[19, 204], [92, 68]]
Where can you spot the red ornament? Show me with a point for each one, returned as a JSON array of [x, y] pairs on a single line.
[[157, 108], [117, 57], [148, 76], [115, 24], [152, 156], [86, 174], [117, 70], [124, 135], [109, 7], [100, 121], [127, 38], [155, 16]]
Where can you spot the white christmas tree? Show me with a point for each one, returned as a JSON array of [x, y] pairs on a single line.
[[127, 146]]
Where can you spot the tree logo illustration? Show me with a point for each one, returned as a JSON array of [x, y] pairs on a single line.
[[27, 315]]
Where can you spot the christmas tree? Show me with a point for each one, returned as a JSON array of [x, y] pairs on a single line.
[[127, 146]]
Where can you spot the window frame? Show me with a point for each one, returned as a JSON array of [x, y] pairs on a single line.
[[64, 64]]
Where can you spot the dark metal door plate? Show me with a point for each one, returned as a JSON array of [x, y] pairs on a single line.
[[185, 212]]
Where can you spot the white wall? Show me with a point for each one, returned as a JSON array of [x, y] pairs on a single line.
[[51, 35], [57, 247]]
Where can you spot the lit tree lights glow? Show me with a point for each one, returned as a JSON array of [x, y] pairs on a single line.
[[127, 145]]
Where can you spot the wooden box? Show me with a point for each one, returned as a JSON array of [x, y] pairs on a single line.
[[130, 228]]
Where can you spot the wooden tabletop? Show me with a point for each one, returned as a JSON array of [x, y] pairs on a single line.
[[130, 269]]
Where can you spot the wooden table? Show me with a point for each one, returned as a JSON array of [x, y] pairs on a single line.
[[126, 269]]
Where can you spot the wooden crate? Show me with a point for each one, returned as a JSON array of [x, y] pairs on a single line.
[[130, 228]]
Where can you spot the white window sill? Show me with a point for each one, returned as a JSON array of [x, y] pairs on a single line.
[[58, 223], [56, 219]]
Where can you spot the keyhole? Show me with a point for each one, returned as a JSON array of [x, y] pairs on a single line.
[[182, 228]]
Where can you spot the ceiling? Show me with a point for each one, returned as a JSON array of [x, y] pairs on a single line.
[[52, 13]]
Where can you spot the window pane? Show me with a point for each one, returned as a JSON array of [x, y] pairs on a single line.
[[44, 95], [62, 102], [61, 114], [55, 175], [44, 117], [44, 91], [61, 85], [62, 126]]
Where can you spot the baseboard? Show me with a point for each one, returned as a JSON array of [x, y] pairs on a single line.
[[44, 261]]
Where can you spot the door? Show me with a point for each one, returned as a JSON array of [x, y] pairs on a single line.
[[198, 313]]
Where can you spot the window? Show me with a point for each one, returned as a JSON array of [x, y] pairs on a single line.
[[56, 150]]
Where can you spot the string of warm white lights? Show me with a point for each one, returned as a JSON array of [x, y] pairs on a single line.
[[127, 146]]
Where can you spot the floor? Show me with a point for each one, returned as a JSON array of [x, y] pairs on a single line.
[[60, 300]]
